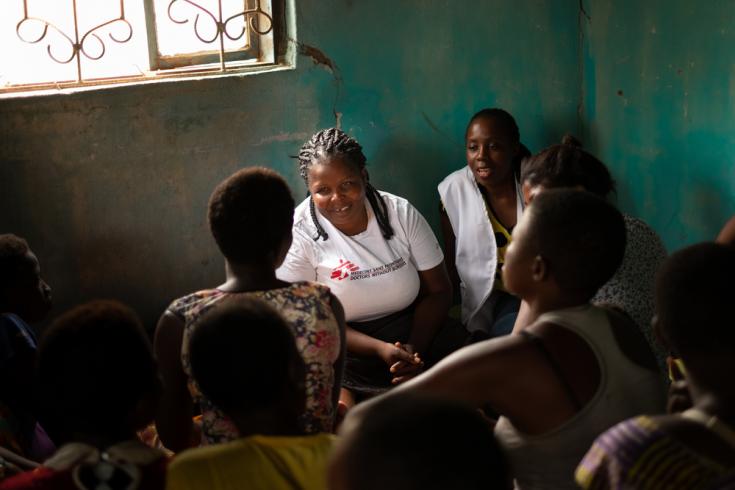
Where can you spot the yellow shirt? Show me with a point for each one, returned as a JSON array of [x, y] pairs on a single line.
[[256, 462], [502, 240]]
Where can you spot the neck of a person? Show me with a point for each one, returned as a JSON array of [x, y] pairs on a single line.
[[550, 299], [267, 423], [254, 276], [711, 387]]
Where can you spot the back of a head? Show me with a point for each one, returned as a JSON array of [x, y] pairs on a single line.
[[567, 165], [250, 214], [409, 442], [694, 298], [13, 250], [580, 236], [95, 364], [244, 357]]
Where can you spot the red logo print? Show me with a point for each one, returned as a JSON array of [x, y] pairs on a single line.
[[343, 269]]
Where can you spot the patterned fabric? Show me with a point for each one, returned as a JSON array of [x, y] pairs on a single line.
[[307, 309], [637, 454], [631, 288]]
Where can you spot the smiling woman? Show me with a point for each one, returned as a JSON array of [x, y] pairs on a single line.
[[378, 256]]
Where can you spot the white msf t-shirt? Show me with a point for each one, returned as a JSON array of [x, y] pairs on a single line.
[[372, 277]]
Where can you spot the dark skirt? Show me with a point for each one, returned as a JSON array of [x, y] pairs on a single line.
[[366, 376]]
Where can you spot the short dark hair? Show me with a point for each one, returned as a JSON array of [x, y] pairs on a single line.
[[335, 142], [250, 214], [694, 298], [95, 363], [580, 236], [13, 250], [509, 123], [410, 441], [568, 165], [242, 354]]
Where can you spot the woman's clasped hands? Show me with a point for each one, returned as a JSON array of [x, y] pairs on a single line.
[[403, 361]]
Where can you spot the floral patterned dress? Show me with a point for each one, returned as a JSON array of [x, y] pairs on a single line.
[[307, 309]]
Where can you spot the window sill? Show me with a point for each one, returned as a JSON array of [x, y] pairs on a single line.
[[204, 72]]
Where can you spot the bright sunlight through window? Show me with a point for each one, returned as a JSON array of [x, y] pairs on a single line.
[[61, 43]]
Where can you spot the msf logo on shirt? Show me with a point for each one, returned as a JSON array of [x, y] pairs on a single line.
[[343, 270]]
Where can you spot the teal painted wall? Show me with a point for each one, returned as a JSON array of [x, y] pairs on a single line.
[[110, 187], [659, 109]]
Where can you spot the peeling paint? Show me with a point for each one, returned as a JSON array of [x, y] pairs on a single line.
[[300, 136], [317, 56]]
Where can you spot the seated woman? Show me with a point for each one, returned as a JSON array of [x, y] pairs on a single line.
[[481, 203], [377, 254], [631, 288], [577, 369], [694, 449], [25, 299], [250, 215]]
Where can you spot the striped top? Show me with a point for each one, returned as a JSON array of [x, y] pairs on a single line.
[[637, 453]]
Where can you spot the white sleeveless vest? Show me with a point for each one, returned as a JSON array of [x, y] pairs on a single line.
[[476, 251]]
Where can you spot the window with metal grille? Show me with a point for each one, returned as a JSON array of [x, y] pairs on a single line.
[[71, 43]]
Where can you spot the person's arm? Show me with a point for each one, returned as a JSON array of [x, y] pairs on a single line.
[[434, 300], [450, 251], [15, 463], [501, 373], [365, 345], [727, 234], [339, 364], [174, 417]]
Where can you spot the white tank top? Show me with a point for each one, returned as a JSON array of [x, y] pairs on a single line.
[[548, 461]]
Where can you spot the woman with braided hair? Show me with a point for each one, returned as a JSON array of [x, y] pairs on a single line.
[[379, 256]]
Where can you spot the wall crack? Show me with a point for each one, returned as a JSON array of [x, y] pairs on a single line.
[[583, 18], [320, 58]]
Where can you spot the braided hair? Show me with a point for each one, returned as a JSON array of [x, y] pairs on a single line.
[[510, 125], [335, 142], [568, 165]]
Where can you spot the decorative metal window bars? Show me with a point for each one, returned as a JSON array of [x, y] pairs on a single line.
[[77, 45], [253, 19], [250, 16]]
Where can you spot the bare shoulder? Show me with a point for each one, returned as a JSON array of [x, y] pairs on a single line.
[[727, 234]]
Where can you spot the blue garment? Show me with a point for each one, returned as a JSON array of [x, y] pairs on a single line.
[[15, 336]]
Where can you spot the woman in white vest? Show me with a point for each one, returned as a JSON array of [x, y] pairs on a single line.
[[378, 255], [481, 203]]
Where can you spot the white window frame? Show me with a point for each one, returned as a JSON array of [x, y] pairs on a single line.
[[272, 52]]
